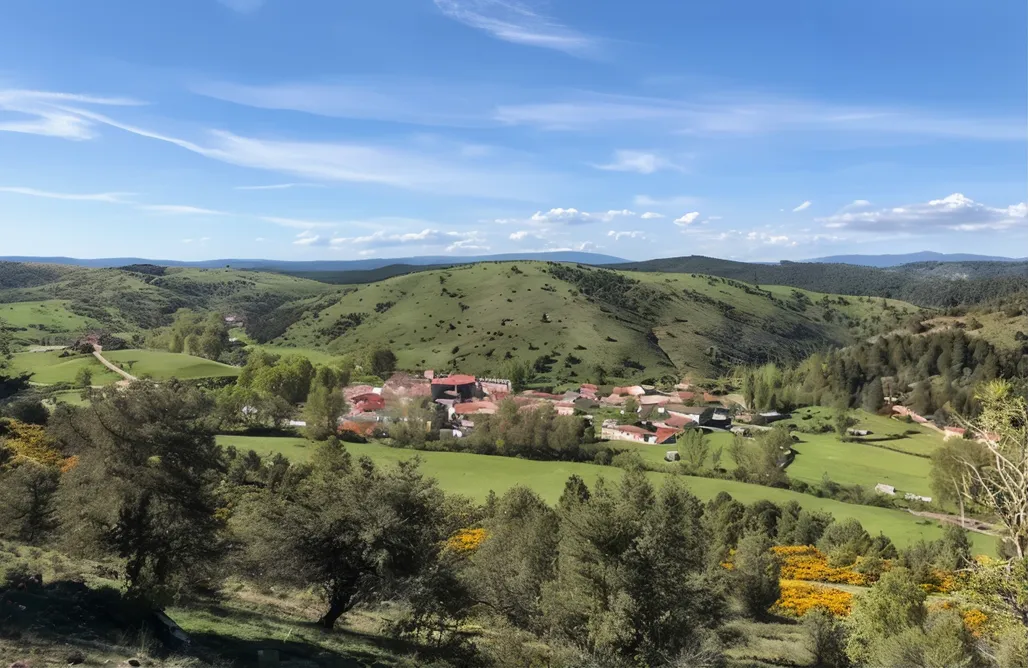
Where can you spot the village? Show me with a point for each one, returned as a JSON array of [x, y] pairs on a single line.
[[644, 413]]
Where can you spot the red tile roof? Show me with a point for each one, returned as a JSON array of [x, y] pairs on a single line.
[[677, 421], [459, 379], [663, 434], [632, 429], [474, 407]]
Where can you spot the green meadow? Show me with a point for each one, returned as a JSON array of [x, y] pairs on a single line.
[[476, 475], [48, 368]]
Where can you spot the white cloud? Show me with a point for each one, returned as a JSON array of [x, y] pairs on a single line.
[[688, 218], [45, 113], [632, 234], [572, 216], [279, 186], [650, 215], [515, 21], [113, 198], [641, 162], [521, 235], [243, 6], [770, 239], [955, 212], [426, 237], [472, 244], [308, 238], [802, 207], [182, 210]]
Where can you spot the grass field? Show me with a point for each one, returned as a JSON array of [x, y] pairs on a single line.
[[916, 439], [475, 475], [857, 464], [48, 368], [43, 322], [160, 365]]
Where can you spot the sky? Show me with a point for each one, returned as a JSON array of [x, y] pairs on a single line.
[[320, 129]]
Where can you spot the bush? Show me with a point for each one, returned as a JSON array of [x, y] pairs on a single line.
[[825, 638]]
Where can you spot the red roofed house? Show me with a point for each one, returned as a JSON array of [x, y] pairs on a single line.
[[613, 400], [352, 391], [366, 403], [618, 391], [565, 408], [954, 432], [667, 436], [463, 385], [654, 400], [403, 385], [627, 432], [677, 422]]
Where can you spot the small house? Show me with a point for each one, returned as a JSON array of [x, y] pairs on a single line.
[[565, 407], [627, 432], [672, 456], [954, 432], [858, 432], [882, 488], [916, 497]]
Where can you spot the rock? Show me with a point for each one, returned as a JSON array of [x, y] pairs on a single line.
[[74, 658], [135, 663], [19, 664]]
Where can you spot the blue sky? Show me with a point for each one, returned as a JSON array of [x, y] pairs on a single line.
[[312, 129]]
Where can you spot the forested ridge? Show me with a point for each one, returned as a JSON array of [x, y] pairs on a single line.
[[934, 284]]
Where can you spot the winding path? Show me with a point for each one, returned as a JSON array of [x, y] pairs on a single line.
[[98, 354]]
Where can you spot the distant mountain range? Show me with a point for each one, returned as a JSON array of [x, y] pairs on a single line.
[[897, 260], [328, 265]]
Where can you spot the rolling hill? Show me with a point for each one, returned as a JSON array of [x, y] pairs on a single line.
[[931, 284], [567, 319]]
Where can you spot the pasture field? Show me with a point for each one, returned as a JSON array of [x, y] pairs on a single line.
[[43, 322], [857, 464], [475, 475], [48, 368], [910, 437], [161, 365]]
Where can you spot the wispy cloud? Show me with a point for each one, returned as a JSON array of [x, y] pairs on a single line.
[[516, 21], [113, 198], [298, 223], [745, 114], [181, 210], [45, 113], [280, 186], [955, 212], [640, 162], [630, 234], [802, 207], [522, 235], [676, 202], [652, 215], [445, 173]]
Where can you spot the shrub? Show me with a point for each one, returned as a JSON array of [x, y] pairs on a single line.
[[797, 599]]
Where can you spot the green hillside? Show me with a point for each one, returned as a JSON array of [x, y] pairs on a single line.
[[138, 297], [474, 317]]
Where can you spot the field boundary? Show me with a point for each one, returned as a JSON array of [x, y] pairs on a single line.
[[98, 354]]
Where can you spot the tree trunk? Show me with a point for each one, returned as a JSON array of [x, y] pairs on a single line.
[[336, 610]]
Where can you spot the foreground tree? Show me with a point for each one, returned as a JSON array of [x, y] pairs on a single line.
[[358, 533], [144, 486], [631, 582], [755, 576]]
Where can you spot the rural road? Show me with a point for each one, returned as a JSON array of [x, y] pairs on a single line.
[[98, 354]]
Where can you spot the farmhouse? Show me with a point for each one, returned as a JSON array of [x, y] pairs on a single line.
[[701, 415], [462, 385], [666, 436], [367, 403], [565, 408], [882, 488], [627, 432]]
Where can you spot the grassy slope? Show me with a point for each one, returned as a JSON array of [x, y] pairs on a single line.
[[39, 322], [49, 368], [504, 313], [475, 475], [162, 365]]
